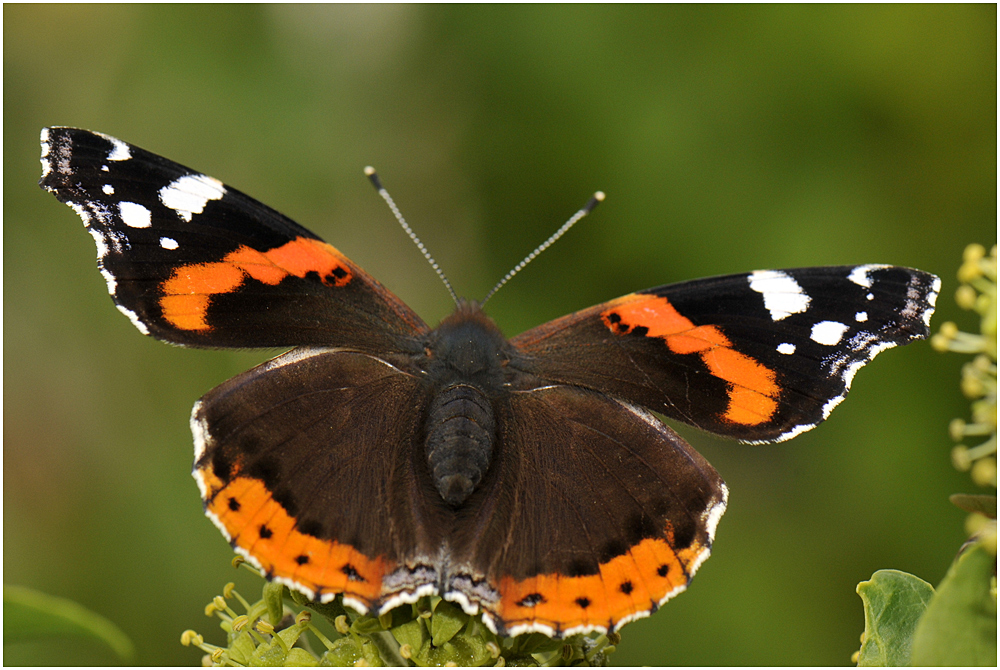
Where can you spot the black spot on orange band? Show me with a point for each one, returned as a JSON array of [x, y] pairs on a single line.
[[753, 389], [600, 594], [188, 292], [627, 585], [262, 527]]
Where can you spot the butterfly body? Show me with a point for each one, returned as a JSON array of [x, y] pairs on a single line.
[[465, 362], [527, 479]]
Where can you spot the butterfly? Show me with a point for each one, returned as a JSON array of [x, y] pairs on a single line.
[[527, 479]]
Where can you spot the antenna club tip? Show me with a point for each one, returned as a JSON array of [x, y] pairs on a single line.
[[595, 200], [373, 177]]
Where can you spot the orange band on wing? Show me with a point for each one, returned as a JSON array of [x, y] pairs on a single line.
[[260, 526], [186, 295], [753, 390], [634, 583]]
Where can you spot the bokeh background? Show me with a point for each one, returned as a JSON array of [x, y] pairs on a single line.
[[727, 139]]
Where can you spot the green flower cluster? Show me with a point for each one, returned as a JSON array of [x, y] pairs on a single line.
[[908, 621], [430, 632], [978, 293]]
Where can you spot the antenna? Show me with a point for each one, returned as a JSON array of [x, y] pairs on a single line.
[[583, 211], [377, 183]]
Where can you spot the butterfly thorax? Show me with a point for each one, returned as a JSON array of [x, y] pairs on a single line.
[[464, 359]]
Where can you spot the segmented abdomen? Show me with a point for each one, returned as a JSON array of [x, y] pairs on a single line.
[[460, 434]]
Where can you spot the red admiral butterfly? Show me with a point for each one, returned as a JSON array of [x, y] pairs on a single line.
[[525, 478]]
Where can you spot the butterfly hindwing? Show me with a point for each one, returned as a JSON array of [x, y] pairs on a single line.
[[306, 463], [194, 262], [758, 357], [596, 514]]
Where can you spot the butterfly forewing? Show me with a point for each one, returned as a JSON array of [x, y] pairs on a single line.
[[757, 357], [192, 261]]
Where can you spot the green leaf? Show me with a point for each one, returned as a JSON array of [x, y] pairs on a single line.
[[412, 633], [960, 627], [461, 650], [894, 602], [241, 647], [345, 652], [446, 622], [372, 652], [985, 505], [300, 658], [31, 615]]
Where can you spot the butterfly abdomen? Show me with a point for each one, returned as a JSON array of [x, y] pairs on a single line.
[[465, 358], [460, 433]]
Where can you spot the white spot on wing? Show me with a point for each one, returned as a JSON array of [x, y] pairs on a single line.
[[782, 294], [108, 189], [199, 431], [168, 243], [119, 151], [407, 597], [110, 279], [828, 332], [642, 614], [932, 300], [135, 215], [795, 430], [715, 513], [134, 318], [786, 348], [836, 400], [861, 275], [225, 532], [46, 166], [189, 194], [861, 317], [357, 605], [514, 631], [463, 601], [81, 211], [100, 241], [681, 587], [583, 629]]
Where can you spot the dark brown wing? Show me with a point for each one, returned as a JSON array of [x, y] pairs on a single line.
[[595, 514], [307, 465]]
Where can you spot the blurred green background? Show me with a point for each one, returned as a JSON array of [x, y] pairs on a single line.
[[727, 139]]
